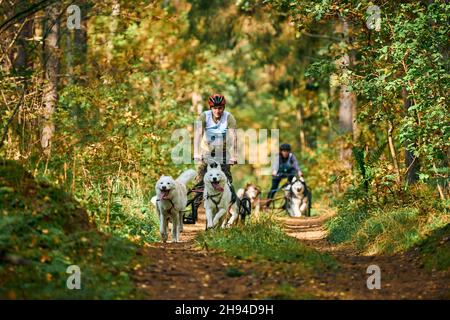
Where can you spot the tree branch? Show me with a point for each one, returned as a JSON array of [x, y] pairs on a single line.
[[25, 13]]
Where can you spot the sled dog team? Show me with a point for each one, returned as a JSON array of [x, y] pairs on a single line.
[[171, 200], [217, 139]]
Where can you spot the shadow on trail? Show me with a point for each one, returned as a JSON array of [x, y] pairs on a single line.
[[183, 271]]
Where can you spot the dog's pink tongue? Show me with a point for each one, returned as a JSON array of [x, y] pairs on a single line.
[[164, 194], [217, 187]]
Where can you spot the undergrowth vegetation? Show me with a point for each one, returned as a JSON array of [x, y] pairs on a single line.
[[393, 225], [98, 113], [43, 231], [435, 249]]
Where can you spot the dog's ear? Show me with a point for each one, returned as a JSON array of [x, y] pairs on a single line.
[[216, 165], [295, 179], [212, 164]]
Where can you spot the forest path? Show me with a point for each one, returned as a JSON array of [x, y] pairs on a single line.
[[402, 275], [183, 271]]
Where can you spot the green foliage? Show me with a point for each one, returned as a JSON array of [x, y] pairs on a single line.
[[233, 272], [435, 249], [43, 231], [275, 60], [344, 226], [265, 240], [391, 228]]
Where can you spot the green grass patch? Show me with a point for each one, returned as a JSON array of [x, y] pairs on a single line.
[[345, 225], [264, 239], [385, 230], [43, 230], [131, 215], [233, 272], [286, 291], [435, 249]]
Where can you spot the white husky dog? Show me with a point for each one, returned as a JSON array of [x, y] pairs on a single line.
[[170, 200], [296, 198], [217, 198]]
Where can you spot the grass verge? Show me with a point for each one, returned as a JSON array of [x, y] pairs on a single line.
[[264, 239], [395, 228], [435, 249], [43, 231]]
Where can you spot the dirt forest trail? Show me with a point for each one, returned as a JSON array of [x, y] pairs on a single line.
[[183, 271]]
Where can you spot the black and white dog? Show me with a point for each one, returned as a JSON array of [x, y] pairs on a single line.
[[298, 198], [252, 192]]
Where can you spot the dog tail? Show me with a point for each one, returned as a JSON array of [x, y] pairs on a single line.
[[187, 176], [153, 200], [240, 193]]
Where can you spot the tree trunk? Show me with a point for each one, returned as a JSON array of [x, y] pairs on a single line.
[[197, 106], [411, 162], [21, 61], [392, 149], [80, 41], [347, 102], [68, 55], [51, 67], [75, 54], [112, 28], [300, 126]]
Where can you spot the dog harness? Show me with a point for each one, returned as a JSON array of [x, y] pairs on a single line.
[[220, 194], [171, 204], [212, 199]]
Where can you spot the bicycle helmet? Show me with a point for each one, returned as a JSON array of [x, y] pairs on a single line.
[[285, 146], [216, 100]]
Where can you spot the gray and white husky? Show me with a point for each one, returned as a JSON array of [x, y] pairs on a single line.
[[297, 198]]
